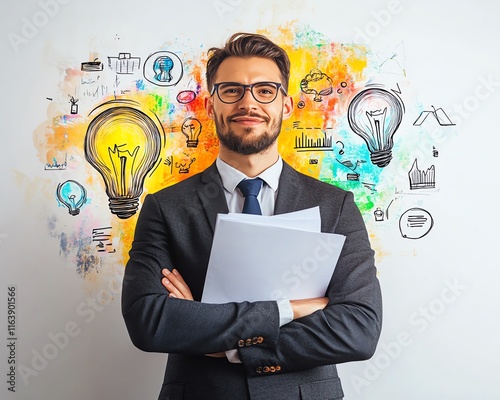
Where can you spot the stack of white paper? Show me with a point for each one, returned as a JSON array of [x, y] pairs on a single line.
[[267, 258]]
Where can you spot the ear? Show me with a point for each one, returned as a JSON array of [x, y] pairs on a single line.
[[209, 107], [287, 107]]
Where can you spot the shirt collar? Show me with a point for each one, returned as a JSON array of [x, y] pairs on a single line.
[[231, 176]]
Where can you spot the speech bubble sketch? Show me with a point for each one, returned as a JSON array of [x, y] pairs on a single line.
[[415, 223]]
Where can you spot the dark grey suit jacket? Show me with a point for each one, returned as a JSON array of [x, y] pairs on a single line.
[[297, 361]]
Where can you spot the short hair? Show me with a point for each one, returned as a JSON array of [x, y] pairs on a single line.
[[248, 45]]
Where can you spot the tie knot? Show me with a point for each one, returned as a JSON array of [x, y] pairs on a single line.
[[250, 187]]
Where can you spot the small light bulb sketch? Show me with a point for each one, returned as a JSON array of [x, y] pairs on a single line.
[[72, 195], [191, 129], [162, 67], [318, 84]]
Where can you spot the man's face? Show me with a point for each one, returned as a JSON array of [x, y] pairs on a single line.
[[247, 126]]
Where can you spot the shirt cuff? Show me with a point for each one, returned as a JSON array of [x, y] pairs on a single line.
[[233, 356], [285, 311]]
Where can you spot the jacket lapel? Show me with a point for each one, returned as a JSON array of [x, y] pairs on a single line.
[[211, 195], [289, 191]]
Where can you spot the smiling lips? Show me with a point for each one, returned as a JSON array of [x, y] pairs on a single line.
[[248, 119]]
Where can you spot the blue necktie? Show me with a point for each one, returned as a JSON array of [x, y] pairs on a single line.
[[250, 189]]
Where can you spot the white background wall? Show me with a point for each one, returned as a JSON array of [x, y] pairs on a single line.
[[441, 325]]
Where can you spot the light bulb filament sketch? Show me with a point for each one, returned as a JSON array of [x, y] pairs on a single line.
[[375, 114], [123, 144]]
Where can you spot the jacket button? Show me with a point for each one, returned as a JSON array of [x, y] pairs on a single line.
[[241, 343], [265, 369], [259, 370], [278, 368], [272, 368], [260, 339], [248, 342]]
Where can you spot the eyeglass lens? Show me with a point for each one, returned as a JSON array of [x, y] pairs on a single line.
[[263, 92]]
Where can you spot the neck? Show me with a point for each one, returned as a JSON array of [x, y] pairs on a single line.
[[251, 165]]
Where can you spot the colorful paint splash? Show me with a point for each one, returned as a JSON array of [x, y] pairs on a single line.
[[170, 138]]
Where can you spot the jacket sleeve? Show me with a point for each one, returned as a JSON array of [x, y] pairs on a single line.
[[348, 328], [158, 323]]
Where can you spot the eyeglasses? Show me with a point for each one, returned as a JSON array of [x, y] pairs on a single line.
[[232, 92]]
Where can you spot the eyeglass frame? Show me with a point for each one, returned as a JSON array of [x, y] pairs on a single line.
[[279, 86]]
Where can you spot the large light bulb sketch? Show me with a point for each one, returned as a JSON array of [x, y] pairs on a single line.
[[375, 114], [72, 195], [123, 144]]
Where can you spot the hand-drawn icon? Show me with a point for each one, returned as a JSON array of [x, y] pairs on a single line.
[[350, 176], [375, 114], [163, 68], [186, 96], [103, 238], [318, 84], [439, 114], [341, 151], [92, 66], [415, 223], [74, 106], [123, 144], [124, 63], [343, 85], [191, 129], [435, 152], [169, 162], [306, 143], [72, 195], [379, 214], [422, 179], [184, 166], [55, 166]]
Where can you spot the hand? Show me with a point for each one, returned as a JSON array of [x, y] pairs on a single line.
[[304, 307], [175, 284]]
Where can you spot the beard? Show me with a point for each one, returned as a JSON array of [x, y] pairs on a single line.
[[239, 143]]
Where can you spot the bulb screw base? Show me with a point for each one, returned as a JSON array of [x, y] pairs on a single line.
[[381, 158], [124, 207]]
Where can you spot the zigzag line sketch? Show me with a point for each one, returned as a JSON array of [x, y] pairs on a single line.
[[441, 117]]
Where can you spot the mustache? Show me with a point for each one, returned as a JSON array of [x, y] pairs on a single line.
[[247, 114]]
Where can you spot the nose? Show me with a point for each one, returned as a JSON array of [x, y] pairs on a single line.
[[247, 101]]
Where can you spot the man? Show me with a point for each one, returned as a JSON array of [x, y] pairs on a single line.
[[284, 349]]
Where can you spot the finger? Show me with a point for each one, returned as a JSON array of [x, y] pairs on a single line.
[[176, 285], [170, 284], [173, 291], [181, 285]]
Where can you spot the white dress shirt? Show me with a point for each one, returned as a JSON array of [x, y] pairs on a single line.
[[231, 177]]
